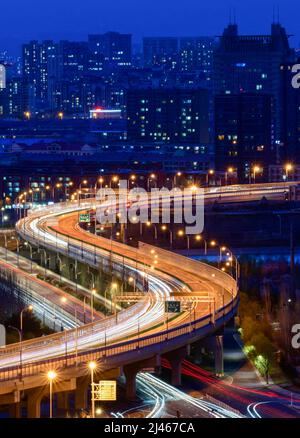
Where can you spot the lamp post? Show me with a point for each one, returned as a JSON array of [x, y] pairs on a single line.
[[92, 367], [51, 376], [199, 238], [181, 233], [228, 171], [28, 308], [165, 228], [148, 223], [20, 342], [256, 169], [288, 168]]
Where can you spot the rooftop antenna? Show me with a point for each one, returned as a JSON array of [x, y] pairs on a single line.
[[234, 16]]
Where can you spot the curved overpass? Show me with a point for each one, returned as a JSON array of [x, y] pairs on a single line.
[[139, 331]]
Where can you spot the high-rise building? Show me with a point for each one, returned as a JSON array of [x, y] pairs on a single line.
[[14, 98], [251, 64], [168, 115], [114, 47], [160, 50], [35, 57], [196, 54], [2, 76], [289, 117], [244, 133]]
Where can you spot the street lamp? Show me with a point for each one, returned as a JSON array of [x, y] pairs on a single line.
[[148, 224], [51, 376], [256, 169], [181, 233], [288, 168], [150, 178], [28, 308], [228, 171], [165, 228], [209, 173], [199, 238], [92, 367]]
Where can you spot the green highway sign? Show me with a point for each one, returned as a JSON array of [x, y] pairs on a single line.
[[172, 307], [84, 217]]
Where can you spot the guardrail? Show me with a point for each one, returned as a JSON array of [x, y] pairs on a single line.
[[62, 342], [184, 332]]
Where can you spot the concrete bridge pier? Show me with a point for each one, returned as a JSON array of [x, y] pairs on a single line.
[[219, 357], [130, 371], [81, 392], [34, 398], [15, 410], [62, 404], [175, 358]]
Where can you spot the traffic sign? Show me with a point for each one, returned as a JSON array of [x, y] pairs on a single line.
[[84, 217], [172, 307], [106, 390]]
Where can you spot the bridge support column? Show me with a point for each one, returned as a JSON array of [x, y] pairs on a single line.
[[81, 392], [130, 371], [175, 358], [15, 410], [34, 399], [219, 358], [62, 402]]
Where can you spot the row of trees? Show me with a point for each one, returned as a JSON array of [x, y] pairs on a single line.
[[257, 335]]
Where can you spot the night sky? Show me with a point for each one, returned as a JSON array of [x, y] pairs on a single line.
[[22, 20]]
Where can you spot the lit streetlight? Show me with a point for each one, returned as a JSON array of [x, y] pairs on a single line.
[[51, 377]]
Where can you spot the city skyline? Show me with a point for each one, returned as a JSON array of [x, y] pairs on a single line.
[[188, 19]]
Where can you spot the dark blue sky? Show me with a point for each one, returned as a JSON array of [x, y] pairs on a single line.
[[22, 20]]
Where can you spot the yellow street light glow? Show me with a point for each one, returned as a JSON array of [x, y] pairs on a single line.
[[180, 233], [115, 179], [148, 223], [130, 279], [213, 243], [223, 248], [152, 175], [30, 307], [63, 299], [98, 411], [194, 188], [84, 181], [92, 365], [288, 166], [51, 375], [114, 284], [230, 170], [152, 251], [94, 291], [198, 237], [133, 177], [256, 168], [211, 172], [164, 228]]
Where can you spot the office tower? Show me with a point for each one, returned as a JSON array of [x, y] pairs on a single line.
[[2, 76], [196, 54], [169, 115], [160, 50], [35, 70], [244, 133], [14, 98], [251, 64], [113, 46]]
